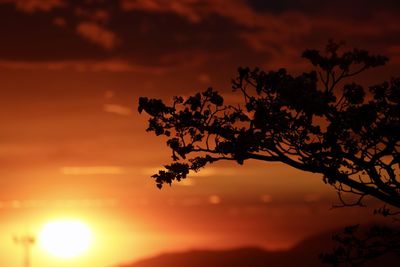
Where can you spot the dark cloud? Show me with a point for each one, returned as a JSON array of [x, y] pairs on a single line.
[[97, 34], [337, 8], [154, 38], [31, 6], [36, 37], [177, 34]]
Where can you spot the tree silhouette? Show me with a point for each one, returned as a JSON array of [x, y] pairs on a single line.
[[320, 121], [356, 246]]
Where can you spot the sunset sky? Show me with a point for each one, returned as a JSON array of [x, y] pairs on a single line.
[[72, 144]]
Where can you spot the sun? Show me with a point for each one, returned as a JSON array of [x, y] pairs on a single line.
[[65, 238]]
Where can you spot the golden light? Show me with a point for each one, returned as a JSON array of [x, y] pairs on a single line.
[[65, 238]]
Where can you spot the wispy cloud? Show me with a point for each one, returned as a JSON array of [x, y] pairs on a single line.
[[281, 36], [91, 170], [117, 109], [279, 26], [98, 34], [93, 14], [184, 8], [111, 65], [262, 32], [61, 203]]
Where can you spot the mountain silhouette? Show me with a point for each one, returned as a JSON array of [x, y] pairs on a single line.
[[304, 253]]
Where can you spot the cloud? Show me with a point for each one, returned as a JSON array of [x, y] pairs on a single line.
[[31, 6], [237, 11], [111, 65], [186, 182], [378, 24], [93, 14], [60, 203], [262, 32], [201, 34], [97, 34], [91, 170], [184, 8], [280, 35], [117, 109]]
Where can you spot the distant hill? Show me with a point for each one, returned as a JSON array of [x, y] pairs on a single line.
[[249, 257], [304, 254]]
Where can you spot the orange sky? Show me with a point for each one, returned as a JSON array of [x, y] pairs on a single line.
[[73, 145]]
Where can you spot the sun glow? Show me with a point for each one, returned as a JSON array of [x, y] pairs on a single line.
[[65, 238]]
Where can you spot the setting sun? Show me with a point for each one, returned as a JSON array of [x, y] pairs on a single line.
[[65, 238]]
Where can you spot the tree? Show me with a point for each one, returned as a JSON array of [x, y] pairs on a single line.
[[356, 246], [320, 121]]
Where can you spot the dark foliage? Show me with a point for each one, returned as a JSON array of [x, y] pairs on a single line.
[[320, 121], [357, 246]]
